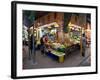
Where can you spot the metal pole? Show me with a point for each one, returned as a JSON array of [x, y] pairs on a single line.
[[33, 50]]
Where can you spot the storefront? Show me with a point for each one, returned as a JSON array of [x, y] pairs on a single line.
[[59, 44]]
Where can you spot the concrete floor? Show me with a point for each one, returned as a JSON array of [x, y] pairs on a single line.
[[72, 60]]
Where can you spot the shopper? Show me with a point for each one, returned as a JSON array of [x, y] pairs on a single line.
[[42, 44], [30, 45], [83, 44]]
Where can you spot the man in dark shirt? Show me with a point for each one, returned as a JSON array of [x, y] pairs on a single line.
[[83, 44]]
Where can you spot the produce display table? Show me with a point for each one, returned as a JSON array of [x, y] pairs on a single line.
[[58, 51], [59, 56]]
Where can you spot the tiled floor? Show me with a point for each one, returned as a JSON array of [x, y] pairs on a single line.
[[72, 60]]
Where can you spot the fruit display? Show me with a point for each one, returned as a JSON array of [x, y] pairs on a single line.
[[75, 35], [61, 50]]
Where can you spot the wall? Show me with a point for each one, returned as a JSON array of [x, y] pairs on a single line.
[[49, 18]]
